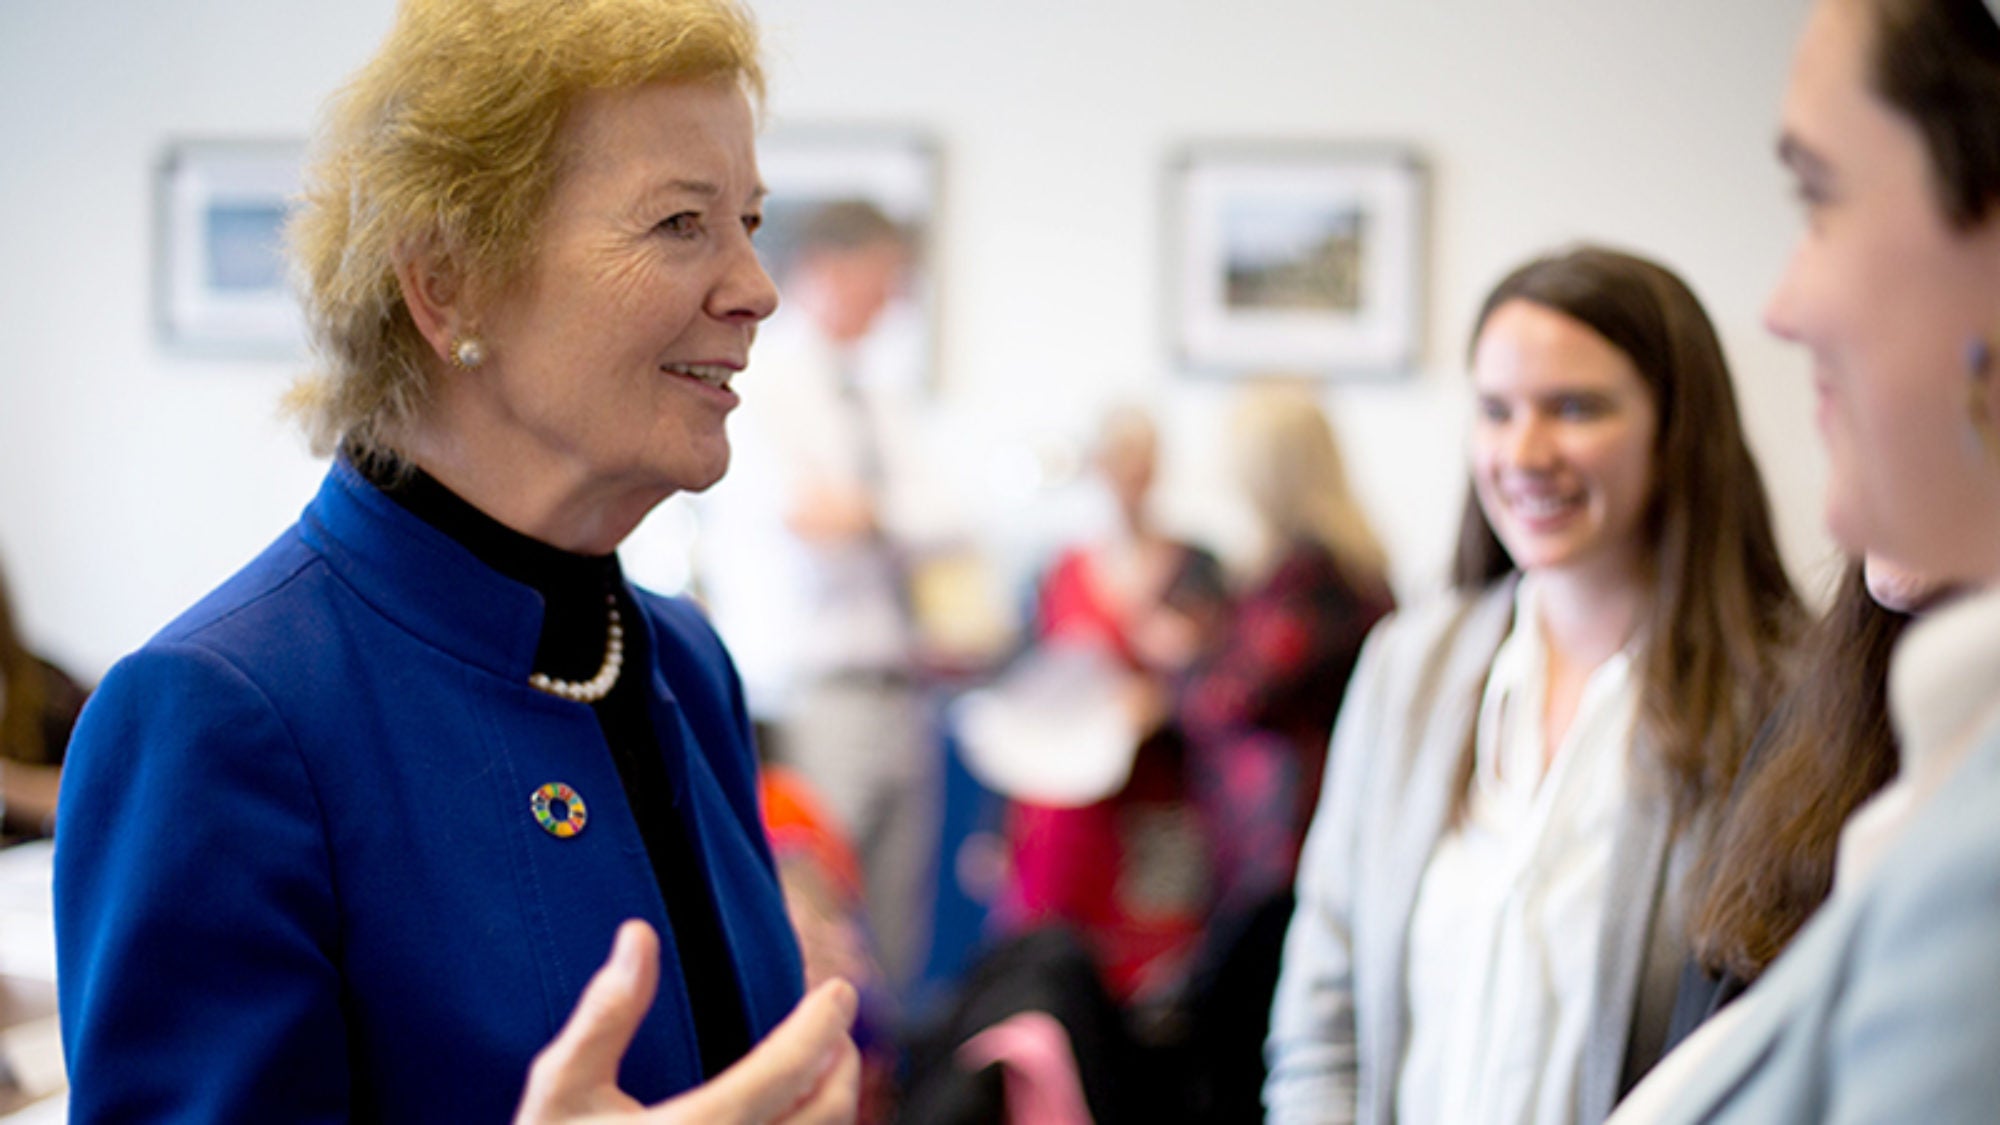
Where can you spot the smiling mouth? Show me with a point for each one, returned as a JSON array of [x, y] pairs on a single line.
[[714, 374], [1541, 506]]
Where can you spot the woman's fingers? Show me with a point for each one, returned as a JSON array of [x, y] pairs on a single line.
[[578, 1071], [835, 1100], [806, 1071]]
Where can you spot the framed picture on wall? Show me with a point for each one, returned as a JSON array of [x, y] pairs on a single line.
[[809, 169], [1296, 259], [220, 275]]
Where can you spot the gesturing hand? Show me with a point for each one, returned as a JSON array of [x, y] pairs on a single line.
[[806, 1072]]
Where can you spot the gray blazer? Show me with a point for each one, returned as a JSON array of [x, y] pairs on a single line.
[[1339, 1023], [1886, 1006]]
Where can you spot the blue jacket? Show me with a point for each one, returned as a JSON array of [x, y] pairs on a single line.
[[297, 873]]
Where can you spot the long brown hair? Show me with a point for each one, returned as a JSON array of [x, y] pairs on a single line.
[[1722, 609], [27, 690], [1827, 749], [1936, 62]]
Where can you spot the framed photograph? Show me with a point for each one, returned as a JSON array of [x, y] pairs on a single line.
[[1297, 260], [220, 281], [811, 168]]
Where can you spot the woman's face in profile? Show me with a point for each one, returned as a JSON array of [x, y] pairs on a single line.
[[1562, 443], [1887, 296], [611, 360]]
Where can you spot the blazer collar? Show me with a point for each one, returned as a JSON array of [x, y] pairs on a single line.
[[1942, 682], [421, 578], [1808, 975], [1439, 715]]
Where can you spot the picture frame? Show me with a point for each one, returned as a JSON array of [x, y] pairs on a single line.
[[221, 283], [807, 167], [1297, 259]]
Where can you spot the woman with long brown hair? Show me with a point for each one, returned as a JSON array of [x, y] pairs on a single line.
[[1489, 925]]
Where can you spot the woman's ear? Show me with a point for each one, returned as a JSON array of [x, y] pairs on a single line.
[[434, 296]]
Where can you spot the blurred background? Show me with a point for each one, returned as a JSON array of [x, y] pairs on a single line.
[[135, 475], [137, 471]]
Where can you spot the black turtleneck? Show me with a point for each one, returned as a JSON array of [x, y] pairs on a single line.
[[574, 589]]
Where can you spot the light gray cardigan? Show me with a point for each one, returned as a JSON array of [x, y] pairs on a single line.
[[1339, 1022]]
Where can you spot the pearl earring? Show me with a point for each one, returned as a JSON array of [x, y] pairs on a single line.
[[468, 352]]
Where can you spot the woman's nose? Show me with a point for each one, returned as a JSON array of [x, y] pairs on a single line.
[[1780, 309], [746, 291], [1531, 444]]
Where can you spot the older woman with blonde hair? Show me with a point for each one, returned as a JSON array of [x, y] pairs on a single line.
[[346, 840]]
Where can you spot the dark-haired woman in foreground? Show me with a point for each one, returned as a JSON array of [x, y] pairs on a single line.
[[1883, 1007]]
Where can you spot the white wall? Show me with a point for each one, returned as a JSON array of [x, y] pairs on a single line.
[[131, 479]]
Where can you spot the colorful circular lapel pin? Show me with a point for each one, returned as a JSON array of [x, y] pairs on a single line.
[[559, 810]]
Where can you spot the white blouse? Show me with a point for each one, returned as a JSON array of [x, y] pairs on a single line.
[[1503, 942]]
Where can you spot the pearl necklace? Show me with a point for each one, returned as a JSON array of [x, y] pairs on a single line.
[[600, 685]]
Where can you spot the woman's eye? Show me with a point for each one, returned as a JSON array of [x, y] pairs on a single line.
[[1492, 410], [1578, 406], [753, 223], [1811, 196], [686, 224]]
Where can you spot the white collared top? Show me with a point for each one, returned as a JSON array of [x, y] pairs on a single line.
[[1504, 939]]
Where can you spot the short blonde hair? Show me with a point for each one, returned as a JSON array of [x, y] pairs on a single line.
[[446, 142], [1290, 466]]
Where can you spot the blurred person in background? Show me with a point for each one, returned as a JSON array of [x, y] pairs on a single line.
[[345, 840], [1135, 591], [1103, 909], [807, 553], [39, 704], [1123, 862], [1257, 712], [1490, 922], [1261, 704]]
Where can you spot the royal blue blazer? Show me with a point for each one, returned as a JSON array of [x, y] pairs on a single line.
[[297, 875]]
